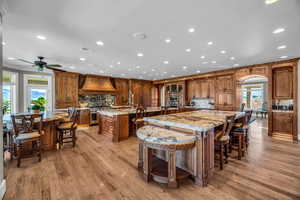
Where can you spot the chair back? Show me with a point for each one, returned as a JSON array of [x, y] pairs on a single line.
[[230, 121], [242, 107], [248, 115], [164, 110], [74, 116], [139, 113], [27, 122]]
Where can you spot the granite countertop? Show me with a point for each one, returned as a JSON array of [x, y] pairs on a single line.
[[127, 111], [47, 116], [203, 120], [162, 136], [283, 111]]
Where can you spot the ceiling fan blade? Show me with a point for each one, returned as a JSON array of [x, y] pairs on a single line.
[[54, 66], [26, 61]]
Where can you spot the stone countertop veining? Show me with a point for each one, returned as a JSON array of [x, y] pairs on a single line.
[[158, 135], [47, 116], [203, 120], [127, 111]]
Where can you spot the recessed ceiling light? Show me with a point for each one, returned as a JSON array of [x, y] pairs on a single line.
[[236, 65], [232, 58], [168, 40], [137, 67], [173, 75], [210, 43], [101, 71], [144, 72], [99, 43], [153, 70], [140, 35], [166, 62], [72, 67], [165, 72], [11, 58], [202, 57], [223, 52], [270, 1], [3, 43], [140, 54], [191, 30], [82, 59], [188, 50], [283, 57], [184, 67], [119, 63], [41, 37], [279, 30], [213, 62], [198, 71], [111, 66], [204, 62], [281, 47]]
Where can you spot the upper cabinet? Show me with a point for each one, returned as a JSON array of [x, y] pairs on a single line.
[[283, 83], [66, 89], [122, 87], [224, 92]]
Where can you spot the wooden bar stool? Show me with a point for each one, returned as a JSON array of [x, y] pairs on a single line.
[[67, 130], [27, 129], [162, 170], [138, 119], [222, 140]]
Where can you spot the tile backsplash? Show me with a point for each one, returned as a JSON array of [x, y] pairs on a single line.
[[97, 100]]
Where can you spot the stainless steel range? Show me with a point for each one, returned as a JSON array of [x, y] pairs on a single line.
[[94, 116]]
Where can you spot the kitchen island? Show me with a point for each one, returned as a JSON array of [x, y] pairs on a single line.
[[197, 161], [118, 122], [50, 121]]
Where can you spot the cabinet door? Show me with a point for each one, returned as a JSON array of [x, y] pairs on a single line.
[[282, 122], [211, 88], [204, 88], [122, 86], [66, 89], [283, 83], [84, 117]]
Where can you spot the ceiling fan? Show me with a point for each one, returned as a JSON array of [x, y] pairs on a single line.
[[42, 64]]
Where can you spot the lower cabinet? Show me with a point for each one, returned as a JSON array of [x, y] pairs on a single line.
[[282, 122], [84, 117]]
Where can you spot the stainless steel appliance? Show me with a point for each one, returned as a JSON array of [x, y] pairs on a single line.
[[94, 116]]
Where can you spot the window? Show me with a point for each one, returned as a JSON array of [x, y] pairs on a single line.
[[9, 92], [37, 86]]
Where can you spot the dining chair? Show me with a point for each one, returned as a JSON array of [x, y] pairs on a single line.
[[27, 129], [138, 120]]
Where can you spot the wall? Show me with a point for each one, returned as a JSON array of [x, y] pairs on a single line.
[[2, 180], [20, 86]]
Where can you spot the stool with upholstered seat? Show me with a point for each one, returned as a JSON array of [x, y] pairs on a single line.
[[27, 129], [138, 120], [222, 140], [67, 130]]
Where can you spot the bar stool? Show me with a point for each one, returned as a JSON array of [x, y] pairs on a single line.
[[138, 120], [67, 130], [222, 140], [27, 129]]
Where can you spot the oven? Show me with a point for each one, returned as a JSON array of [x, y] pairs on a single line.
[[93, 117]]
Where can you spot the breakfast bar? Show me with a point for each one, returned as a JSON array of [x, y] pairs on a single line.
[[191, 133]]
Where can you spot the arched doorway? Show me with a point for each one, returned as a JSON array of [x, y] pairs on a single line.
[[253, 91]]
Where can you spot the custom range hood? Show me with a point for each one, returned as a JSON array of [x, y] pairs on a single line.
[[91, 84]]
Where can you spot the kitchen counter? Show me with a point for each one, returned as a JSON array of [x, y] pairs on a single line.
[[127, 111], [203, 120], [50, 121], [283, 111]]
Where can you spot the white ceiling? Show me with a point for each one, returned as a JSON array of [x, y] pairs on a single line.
[[242, 28]]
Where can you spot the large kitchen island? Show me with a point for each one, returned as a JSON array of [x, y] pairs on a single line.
[[185, 141]]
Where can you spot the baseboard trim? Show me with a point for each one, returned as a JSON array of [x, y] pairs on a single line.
[[2, 188]]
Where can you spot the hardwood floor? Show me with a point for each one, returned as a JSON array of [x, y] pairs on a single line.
[[99, 169]]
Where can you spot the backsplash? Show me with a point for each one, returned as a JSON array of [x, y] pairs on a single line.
[[97, 100]]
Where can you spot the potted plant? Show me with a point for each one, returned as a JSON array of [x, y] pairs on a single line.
[[38, 104]]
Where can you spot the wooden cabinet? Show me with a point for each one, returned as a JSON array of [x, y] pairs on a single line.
[[283, 83], [66, 89], [201, 88], [282, 122], [224, 92], [122, 87], [84, 116], [142, 92]]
